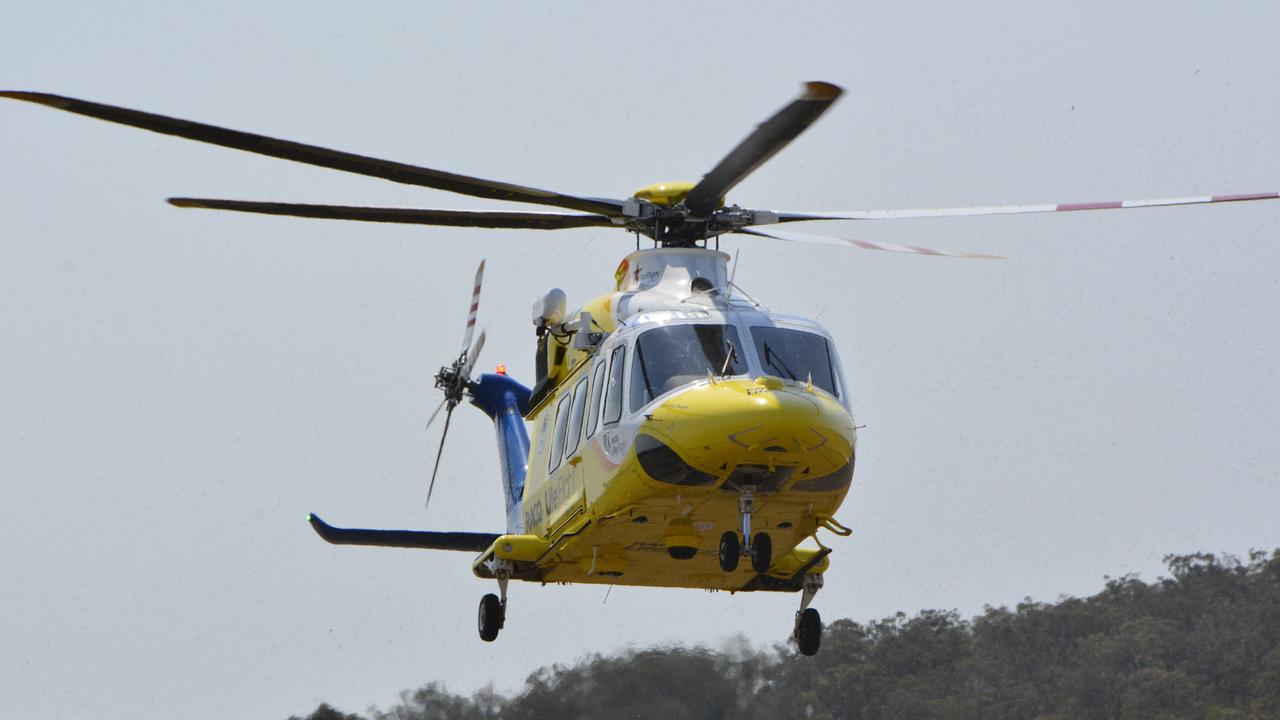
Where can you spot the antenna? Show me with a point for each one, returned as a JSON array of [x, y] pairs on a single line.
[[732, 272]]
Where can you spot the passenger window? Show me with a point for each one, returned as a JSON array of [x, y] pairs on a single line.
[[575, 418], [557, 443], [613, 392], [593, 412]]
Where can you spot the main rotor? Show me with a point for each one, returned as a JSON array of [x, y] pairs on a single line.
[[672, 214]]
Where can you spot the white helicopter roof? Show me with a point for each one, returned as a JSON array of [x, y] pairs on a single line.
[[688, 285]]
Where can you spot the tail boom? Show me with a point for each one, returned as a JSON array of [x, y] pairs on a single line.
[[506, 401]]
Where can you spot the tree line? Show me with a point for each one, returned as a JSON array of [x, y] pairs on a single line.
[[1202, 644]]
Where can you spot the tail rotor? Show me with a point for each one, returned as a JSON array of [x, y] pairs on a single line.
[[455, 379]]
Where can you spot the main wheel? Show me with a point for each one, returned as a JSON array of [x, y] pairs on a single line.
[[730, 551], [809, 631], [761, 553], [490, 619]]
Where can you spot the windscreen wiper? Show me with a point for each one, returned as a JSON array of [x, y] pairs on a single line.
[[729, 357], [769, 358], [644, 372]]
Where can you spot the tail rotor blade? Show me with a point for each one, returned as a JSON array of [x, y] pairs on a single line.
[[439, 453], [454, 379], [475, 306], [472, 356], [435, 413]]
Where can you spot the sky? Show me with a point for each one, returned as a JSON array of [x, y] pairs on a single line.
[[181, 387]]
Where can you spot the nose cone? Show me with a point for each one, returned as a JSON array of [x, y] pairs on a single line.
[[760, 423]]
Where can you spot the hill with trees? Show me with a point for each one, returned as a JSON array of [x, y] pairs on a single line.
[[1203, 644]]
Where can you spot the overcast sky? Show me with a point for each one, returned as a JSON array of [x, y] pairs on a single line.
[[181, 387]]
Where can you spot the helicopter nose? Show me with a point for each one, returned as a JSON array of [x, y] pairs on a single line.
[[737, 428]]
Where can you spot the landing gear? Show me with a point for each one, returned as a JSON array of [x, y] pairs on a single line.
[[730, 550], [491, 617], [759, 548], [761, 553], [493, 609], [808, 630]]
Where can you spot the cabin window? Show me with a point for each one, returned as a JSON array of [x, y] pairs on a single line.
[[593, 412], [557, 442], [796, 355], [675, 355], [575, 418], [613, 391]]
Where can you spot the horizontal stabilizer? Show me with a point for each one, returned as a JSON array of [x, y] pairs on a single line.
[[423, 540]]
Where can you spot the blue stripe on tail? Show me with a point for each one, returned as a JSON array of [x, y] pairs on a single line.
[[506, 401]]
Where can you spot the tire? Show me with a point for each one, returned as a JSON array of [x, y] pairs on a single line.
[[730, 551], [761, 553], [809, 632], [490, 619]]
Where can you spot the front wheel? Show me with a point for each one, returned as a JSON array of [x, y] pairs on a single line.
[[761, 553], [730, 551], [490, 619]]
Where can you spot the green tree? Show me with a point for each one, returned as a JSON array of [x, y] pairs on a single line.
[[1202, 644]]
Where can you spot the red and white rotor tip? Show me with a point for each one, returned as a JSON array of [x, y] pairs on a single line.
[[475, 306], [822, 239]]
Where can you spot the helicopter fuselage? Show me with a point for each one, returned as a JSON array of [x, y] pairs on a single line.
[[642, 454]]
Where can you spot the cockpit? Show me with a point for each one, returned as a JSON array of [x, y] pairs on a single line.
[[668, 356]]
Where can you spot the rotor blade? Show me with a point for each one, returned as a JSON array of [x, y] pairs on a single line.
[[772, 135], [475, 308], [862, 244], [1021, 209], [435, 413], [440, 452], [471, 357], [323, 157], [414, 216]]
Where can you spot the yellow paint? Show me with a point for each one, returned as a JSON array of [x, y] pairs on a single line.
[[627, 520], [601, 310], [665, 194], [520, 547], [680, 533], [621, 273], [793, 561], [607, 562]]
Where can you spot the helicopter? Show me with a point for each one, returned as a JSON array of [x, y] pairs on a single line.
[[677, 433]]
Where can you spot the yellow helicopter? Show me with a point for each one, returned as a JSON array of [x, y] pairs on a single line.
[[676, 428]]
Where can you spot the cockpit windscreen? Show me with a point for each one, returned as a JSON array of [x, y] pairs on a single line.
[[674, 355], [795, 355]]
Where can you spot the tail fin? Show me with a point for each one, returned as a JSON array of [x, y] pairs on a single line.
[[506, 401]]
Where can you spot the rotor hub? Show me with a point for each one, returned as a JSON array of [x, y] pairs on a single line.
[[677, 226]]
